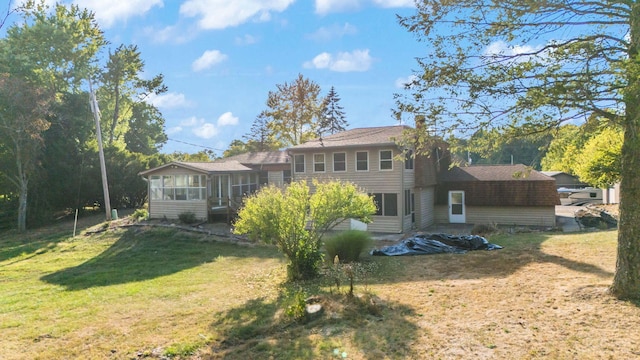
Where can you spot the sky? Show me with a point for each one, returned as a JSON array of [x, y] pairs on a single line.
[[220, 58]]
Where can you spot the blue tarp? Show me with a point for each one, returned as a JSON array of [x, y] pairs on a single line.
[[436, 244]]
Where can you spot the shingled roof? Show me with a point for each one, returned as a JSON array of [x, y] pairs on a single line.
[[359, 137], [259, 158], [517, 172], [205, 167]]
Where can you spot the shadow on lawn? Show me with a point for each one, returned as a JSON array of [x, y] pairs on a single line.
[[142, 255], [259, 330], [518, 252]]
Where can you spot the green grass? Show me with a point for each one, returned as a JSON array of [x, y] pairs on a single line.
[[152, 293]]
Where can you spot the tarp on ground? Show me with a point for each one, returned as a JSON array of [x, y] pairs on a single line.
[[436, 244]]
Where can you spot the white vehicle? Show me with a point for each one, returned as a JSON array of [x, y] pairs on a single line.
[[580, 196]]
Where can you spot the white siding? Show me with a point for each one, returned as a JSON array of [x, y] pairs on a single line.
[[159, 209]]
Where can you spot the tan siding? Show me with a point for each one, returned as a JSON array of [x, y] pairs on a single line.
[[171, 209], [425, 214], [275, 178], [507, 215]]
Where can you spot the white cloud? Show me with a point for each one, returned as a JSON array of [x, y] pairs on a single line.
[[171, 34], [168, 100], [174, 130], [246, 40], [324, 7], [403, 81], [208, 59], [220, 14], [394, 3], [357, 60], [500, 50], [205, 131], [333, 32], [227, 119], [109, 12]]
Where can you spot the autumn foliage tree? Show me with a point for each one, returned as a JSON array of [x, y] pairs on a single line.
[[532, 66]]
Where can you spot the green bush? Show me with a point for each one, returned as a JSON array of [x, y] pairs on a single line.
[[188, 217], [347, 245], [140, 214]]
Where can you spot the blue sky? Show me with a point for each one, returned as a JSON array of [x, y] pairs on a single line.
[[220, 58]]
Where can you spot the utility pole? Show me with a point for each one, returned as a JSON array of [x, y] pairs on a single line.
[[103, 168]]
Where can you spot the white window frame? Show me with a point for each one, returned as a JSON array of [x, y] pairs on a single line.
[[334, 161], [390, 160], [295, 162], [409, 160], [316, 163], [356, 157]]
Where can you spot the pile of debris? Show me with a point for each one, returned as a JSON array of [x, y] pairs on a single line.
[[595, 216]]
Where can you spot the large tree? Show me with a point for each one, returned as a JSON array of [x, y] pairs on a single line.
[[294, 109], [534, 65], [23, 119]]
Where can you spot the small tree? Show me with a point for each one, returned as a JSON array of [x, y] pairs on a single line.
[[295, 220]]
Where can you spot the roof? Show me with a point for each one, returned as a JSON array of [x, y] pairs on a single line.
[[517, 172], [259, 158], [204, 167], [359, 137]]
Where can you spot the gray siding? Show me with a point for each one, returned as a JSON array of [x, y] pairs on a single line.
[[276, 178]]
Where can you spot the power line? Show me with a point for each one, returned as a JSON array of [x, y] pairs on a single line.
[[196, 145]]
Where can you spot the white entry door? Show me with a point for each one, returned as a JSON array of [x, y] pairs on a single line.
[[456, 207]]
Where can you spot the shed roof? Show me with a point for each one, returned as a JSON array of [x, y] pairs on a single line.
[[359, 137], [516, 172]]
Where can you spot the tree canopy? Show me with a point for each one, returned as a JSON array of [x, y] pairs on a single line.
[[532, 66]]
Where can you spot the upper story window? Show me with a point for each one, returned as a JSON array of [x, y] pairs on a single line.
[[318, 163], [339, 162], [386, 160], [362, 161], [408, 160], [298, 163]]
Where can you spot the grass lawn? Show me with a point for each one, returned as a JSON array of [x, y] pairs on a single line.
[[135, 293]]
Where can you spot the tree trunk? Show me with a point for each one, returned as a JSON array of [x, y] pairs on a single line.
[[626, 282], [22, 206]]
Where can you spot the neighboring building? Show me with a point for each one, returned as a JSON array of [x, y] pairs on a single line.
[[212, 188], [496, 194], [403, 185], [565, 180]]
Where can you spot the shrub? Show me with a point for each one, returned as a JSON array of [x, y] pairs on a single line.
[[188, 217], [347, 245], [485, 229], [140, 214]]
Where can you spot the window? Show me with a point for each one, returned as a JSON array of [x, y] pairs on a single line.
[[339, 162], [298, 163], [408, 160], [386, 160], [244, 184], [286, 176], [362, 161], [178, 187], [318, 162], [386, 204], [408, 202]]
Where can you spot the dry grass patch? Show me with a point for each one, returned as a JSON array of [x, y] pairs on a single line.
[[159, 293]]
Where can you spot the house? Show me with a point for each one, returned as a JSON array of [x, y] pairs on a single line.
[[212, 188], [403, 185], [496, 194], [565, 180], [411, 191]]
